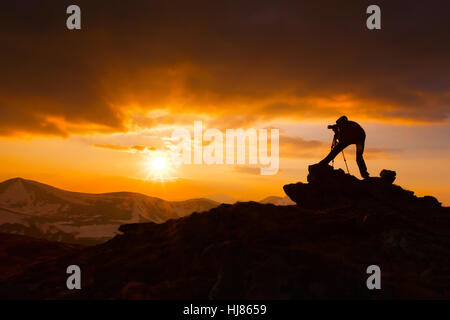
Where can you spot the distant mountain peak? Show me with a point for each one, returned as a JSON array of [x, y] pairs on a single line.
[[14, 179], [35, 209], [276, 200], [19, 179]]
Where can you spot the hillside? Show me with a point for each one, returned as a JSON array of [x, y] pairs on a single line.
[[39, 210], [17, 253], [263, 251]]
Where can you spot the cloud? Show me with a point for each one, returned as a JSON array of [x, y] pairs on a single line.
[[244, 62], [116, 147], [299, 148], [379, 153], [248, 170]]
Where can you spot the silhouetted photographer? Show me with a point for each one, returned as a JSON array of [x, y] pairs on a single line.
[[346, 133]]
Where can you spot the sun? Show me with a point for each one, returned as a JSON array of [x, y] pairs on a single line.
[[159, 164], [158, 167]]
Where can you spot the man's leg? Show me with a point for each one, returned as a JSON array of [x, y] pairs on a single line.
[[333, 153], [360, 160]]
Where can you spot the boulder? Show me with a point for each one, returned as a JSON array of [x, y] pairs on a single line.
[[388, 176]]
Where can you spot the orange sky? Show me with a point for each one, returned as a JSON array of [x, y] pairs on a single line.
[[83, 110]]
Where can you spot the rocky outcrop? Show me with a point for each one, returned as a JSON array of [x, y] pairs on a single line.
[[18, 253], [327, 188]]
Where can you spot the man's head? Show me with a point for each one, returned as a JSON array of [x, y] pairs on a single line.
[[341, 120]]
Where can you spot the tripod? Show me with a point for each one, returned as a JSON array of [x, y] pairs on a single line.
[[333, 144]]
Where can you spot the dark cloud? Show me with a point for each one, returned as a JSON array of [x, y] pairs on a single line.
[[258, 59]]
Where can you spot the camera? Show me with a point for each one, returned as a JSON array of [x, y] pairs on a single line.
[[333, 127]]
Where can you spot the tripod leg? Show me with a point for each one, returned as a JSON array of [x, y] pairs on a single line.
[[345, 160]]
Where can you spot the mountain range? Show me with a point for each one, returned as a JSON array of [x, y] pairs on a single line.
[[35, 209]]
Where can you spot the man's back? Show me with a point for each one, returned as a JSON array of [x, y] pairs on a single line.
[[350, 131]]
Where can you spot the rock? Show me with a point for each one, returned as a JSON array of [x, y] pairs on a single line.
[[429, 201], [388, 176], [318, 173], [328, 187]]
